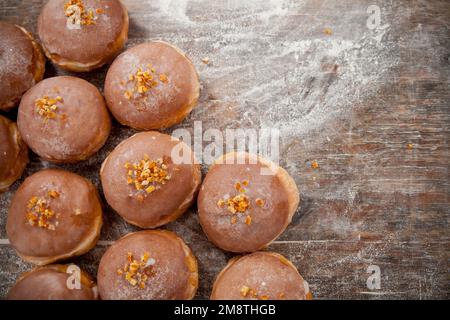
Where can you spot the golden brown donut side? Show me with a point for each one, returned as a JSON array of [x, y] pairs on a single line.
[[50, 283], [13, 153], [73, 64], [262, 276], [173, 273], [36, 69], [74, 228]]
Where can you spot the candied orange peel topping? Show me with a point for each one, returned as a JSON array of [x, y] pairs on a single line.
[[328, 31], [147, 175], [39, 213], [53, 194], [143, 81], [163, 78], [248, 292], [47, 107], [260, 202], [245, 291], [76, 8], [239, 186], [137, 272], [240, 203]]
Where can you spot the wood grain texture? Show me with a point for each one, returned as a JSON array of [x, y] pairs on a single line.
[[352, 100]]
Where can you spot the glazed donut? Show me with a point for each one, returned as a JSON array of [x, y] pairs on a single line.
[[144, 183], [64, 119], [13, 153], [243, 206], [260, 276], [54, 215], [22, 64], [148, 265], [53, 282], [151, 86], [82, 35]]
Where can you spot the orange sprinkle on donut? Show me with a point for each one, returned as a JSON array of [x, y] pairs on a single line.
[[239, 203], [220, 203], [248, 292], [86, 17], [163, 78], [240, 186], [39, 212], [53, 194], [143, 81], [137, 272], [244, 291], [328, 31], [147, 175], [47, 107]]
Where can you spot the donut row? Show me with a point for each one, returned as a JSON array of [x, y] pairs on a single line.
[[168, 272], [56, 215]]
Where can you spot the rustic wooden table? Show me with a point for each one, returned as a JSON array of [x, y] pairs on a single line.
[[368, 100]]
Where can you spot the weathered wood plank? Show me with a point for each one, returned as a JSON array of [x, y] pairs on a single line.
[[351, 100]]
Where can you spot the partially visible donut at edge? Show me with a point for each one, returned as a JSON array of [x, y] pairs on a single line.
[[145, 184], [151, 86], [22, 64], [64, 119], [54, 215], [82, 35], [53, 282], [246, 202], [260, 276], [13, 153], [148, 265]]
